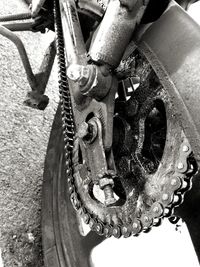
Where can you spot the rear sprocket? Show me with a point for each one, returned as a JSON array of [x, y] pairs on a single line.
[[152, 155]]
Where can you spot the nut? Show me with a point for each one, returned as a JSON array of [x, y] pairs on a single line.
[[79, 73]]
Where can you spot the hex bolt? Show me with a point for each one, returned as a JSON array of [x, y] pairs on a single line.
[[79, 73], [109, 195], [74, 72]]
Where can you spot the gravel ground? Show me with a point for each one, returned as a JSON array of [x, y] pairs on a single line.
[[24, 135], [23, 139]]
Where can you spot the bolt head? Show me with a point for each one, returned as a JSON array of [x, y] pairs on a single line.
[[74, 72], [78, 73]]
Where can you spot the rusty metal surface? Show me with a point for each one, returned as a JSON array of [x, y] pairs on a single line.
[[21, 49], [21, 16], [38, 82], [115, 31], [149, 194], [172, 46]]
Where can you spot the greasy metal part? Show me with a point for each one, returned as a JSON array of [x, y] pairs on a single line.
[[84, 106], [114, 32], [74, 43], [176, 63], [13, 17], [22, 52], [113, 221], [94, 81], [95, 152], [92, 144]]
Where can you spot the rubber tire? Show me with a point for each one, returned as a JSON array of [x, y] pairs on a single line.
[[63, 245]]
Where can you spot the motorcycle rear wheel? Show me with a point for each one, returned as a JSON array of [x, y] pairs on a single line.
[[63, 245]]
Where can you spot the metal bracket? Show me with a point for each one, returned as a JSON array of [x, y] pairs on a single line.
[[38, 82]]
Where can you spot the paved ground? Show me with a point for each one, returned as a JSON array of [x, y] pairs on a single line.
[[23, 139]]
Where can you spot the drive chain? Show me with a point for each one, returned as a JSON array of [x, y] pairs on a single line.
[[172, 192]]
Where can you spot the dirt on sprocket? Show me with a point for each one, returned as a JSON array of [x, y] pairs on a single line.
[[24, 134]]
